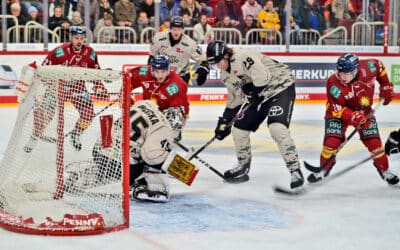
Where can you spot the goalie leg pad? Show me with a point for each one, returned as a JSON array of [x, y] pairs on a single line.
[[151, 187]]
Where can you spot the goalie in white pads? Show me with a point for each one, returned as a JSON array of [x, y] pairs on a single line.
[[151, 138]]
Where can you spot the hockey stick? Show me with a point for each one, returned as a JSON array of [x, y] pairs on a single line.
[[282, 190], [54, 140], [230, 180], [238, 115], [315, 169]]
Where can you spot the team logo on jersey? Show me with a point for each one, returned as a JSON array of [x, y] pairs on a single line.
[[179, 50], [143, 70], [371, 66], [275, 111], [93, 55], [172, 89], [59, 52], [335, 91]]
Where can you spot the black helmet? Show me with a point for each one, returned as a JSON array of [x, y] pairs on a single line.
[[216, 51], [177, 21]]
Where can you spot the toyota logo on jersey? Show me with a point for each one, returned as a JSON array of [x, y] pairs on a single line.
[[275, 111]]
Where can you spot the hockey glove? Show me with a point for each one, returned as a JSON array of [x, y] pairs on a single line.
[[358, 118], [386, 92], [202, 72], [392, 145], [252, 93], [223, 129]]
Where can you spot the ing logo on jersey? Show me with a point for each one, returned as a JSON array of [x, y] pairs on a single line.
[[172, 89], [371, 66], [59, 52], [365, 102], [179, 50], [335, 91]]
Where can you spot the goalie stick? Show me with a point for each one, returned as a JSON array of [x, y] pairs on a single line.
[[229, 180], [315, 169], [283, 190]]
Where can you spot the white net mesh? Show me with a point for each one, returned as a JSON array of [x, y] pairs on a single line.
[[62, 169]]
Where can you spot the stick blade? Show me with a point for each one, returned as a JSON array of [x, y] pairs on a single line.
[[311, 168], [237, 180], [291, 192]]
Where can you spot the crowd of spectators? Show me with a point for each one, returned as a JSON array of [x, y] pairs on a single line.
[[317, 16]]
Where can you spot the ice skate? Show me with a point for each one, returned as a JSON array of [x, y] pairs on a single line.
[[31, 144], [297, 179], [76, 142], [389, 177], [151, 187], [240, 171]]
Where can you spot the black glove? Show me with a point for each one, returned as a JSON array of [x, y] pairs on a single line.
[[223, 129], [202, 72], [252, 92]]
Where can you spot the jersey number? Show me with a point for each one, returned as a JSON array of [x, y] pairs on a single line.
[[138, 124], [248, 63]]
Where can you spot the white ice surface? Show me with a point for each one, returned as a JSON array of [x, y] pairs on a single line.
[[356, 211]]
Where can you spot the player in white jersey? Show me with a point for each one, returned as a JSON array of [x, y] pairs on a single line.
[[151, 138], [179, 48], [269, 87]]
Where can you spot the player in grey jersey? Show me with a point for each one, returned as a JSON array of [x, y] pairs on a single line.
[[269, 87], [180, 48]]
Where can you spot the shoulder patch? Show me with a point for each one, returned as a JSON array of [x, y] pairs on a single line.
[[371, 66], [59, 52], [93, 55], [199, 50], [172, 89], [335, 91], [143, 70]]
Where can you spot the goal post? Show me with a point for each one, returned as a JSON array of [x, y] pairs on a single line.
[[66, 167]]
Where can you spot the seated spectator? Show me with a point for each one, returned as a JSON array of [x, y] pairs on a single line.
[[105, 7], [342, 9], [15, 9], [227, 36], [187, 20], [33, 15], [268, 18], [142, 22], [168, 9], [66, 8], [125, 13], [311, 18], [192, 8], [205, 8], [245, 26], [148, 7], [23, 7], [58, 20], [203, 31], [166, 24], [76, 19], [250, 7], [229, 8], [107, 35], [94, 12]]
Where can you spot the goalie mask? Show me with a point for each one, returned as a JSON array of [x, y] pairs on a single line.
[[176, 119]]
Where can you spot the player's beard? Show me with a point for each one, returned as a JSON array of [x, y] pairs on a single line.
[[77, 47]]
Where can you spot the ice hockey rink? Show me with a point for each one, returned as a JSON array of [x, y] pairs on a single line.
[[355, 211]]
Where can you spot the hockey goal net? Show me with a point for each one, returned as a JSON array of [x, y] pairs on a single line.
[[64, 171]]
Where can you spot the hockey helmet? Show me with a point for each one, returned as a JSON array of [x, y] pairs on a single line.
[[77, 30], [160, 62], [177, 21], [347, 63], [216, 51]]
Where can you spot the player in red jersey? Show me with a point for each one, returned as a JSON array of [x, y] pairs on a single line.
[[164, 86], [350, 95], [73, 54]]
